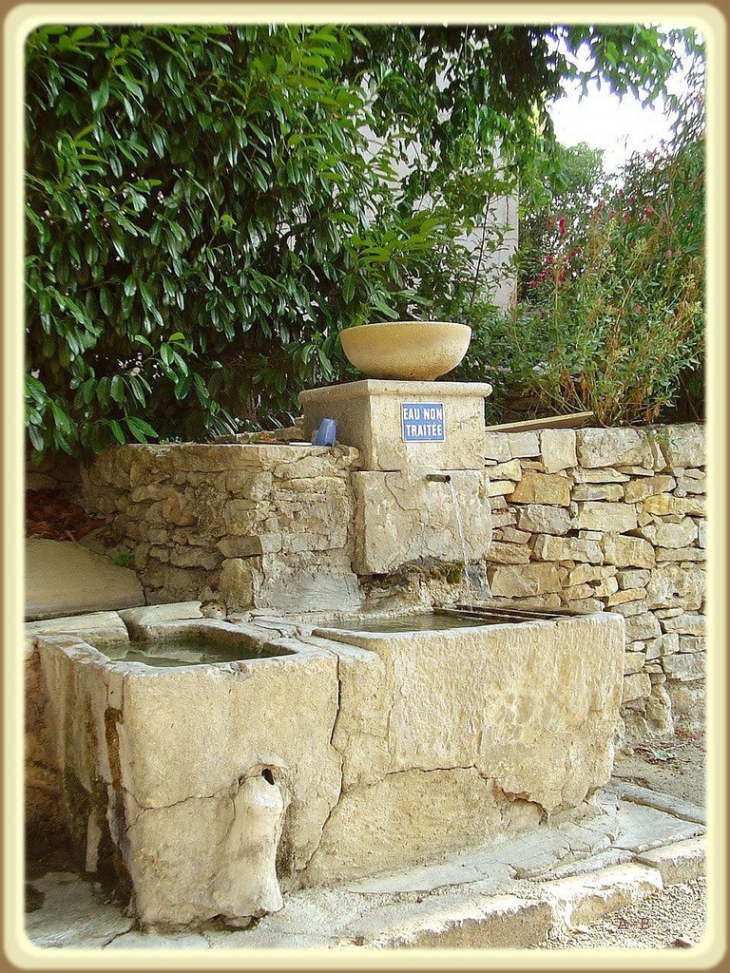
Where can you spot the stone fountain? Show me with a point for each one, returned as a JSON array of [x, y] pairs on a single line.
[[285, 750]]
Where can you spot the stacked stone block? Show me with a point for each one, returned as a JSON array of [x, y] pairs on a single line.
[[611, 519]]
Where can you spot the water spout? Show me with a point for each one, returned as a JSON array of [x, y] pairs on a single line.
[[446, 478]]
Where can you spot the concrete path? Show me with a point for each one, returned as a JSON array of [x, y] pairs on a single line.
[[513, 895], [66, 578]]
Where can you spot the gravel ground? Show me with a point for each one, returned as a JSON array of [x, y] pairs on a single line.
[[676, 917], [672, 919]]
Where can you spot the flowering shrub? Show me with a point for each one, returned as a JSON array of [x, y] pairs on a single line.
[[613, 318]]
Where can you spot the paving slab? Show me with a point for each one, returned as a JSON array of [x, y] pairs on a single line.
[[65, 578], [422, 908], [73, 914]]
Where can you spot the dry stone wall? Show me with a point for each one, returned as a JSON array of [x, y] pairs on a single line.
[[611, 519], [241, 524], [589, 520]]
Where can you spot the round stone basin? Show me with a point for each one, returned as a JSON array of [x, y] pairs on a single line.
[[408, 350]]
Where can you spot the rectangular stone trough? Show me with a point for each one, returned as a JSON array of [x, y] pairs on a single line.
[[323, 752]]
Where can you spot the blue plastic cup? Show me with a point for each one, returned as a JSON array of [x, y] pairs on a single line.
[[327, 433]]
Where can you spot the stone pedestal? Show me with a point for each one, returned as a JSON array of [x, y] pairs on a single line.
[[404, 432], [405, 425]]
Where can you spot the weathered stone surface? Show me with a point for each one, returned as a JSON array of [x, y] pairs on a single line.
[[549, 548], [666, 503], [523, 580], [684, 445], [638, 490], [598, 475], [503, 553], [674, 585], [644, 626], [636, 686], [523, 444], [626, 551], [543, 519], [511, 470], [403, 517], [633, 579], [497, 447], [557, 449], [587, 573], [621, 597], [613, 447], [686, 667], [667, 534], [610, 517], [583, 901], [542, 488], [598, 491], [682, 861], [368, 416], [685, 624]]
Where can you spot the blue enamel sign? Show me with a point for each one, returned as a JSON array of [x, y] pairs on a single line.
[[423, 422]]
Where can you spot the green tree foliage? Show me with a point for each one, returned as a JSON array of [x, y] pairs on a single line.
[[207, 207]]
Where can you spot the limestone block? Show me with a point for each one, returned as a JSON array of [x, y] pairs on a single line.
[[685, 445], [628, 608], [674, 585], [549, 548], [633, 662], [523, 580], [638, 490], [666, 503], [691, 484], [681, 862], [368, 416], [598, 475], [249, 484], [667, 534], [502, 553], [691, 643], [636, 686], [644, 626], [626, 551], [688, 703], [523, 443], [402, 517], [499, 488], [587, 573], [496, 735], [539, 518], [511, 470], [613, 447], [633, 579], [306, 581], [664, 554], [512, 536], [497, 446], [685, 624], [237, 582], [685, 667], [628, 595], [542, 488], [557, 449], [598, 491], [610, 517]]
